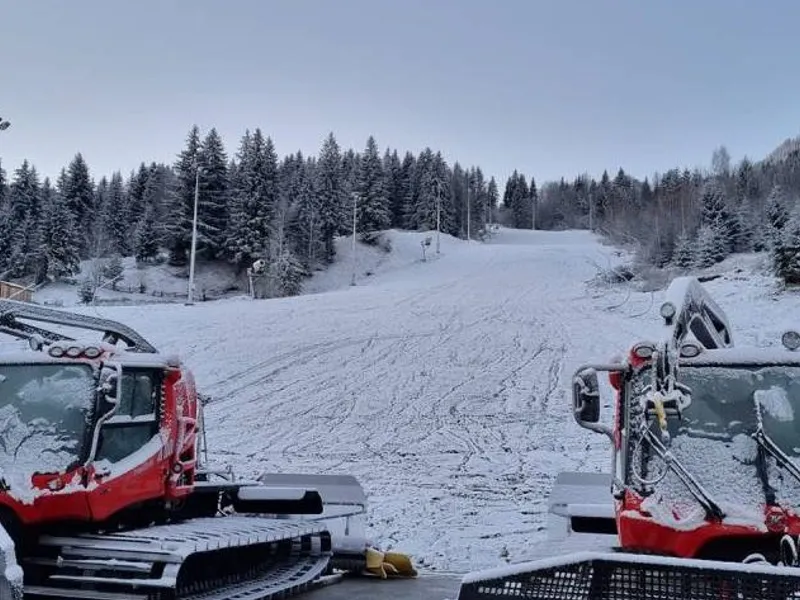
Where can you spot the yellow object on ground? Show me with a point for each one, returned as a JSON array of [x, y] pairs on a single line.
[[389, 564]]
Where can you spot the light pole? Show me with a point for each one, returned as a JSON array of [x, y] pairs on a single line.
[[438, 212], [190, 294], [468, 207], [355, 208]]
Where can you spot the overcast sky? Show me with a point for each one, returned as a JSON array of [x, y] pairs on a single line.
[[550, 87]]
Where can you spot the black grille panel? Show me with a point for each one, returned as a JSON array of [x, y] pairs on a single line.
[[611, 578]]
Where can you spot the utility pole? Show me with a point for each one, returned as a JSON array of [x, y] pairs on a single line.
[[355, 208], [438, 213], [468, 211], [190, 294]]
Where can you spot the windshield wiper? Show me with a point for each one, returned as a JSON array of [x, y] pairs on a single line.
[[765, 442], [782, 459]]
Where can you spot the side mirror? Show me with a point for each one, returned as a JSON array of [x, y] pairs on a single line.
[[586, 396], [109, 383], [108, 391]]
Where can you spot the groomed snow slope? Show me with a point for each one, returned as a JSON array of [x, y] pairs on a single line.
[[442, 386]]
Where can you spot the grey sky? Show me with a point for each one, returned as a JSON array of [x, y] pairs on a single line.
[[550, 87]]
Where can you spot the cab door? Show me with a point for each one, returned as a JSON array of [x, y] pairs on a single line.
[[130, 459]]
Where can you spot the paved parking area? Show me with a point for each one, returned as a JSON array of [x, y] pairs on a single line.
[[423, 587]]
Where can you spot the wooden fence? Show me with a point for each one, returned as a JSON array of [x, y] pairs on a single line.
[[15, 292]]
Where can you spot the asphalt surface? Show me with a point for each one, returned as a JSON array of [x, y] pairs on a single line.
[[423, 587]]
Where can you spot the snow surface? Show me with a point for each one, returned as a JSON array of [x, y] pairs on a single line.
[[443, 386]]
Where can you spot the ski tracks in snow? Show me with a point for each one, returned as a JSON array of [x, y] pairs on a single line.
[[445, 393]]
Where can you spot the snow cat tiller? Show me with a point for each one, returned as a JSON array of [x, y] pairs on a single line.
[[106, 492], [703, 498]]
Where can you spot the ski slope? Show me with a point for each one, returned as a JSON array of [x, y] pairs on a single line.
[[442, 385]]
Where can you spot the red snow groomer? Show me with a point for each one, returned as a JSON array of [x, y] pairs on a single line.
[[703, 495], [106, 492]]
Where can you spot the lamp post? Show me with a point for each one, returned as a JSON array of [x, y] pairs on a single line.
[[190, 294], [438, 212], [468, 211], [355, 208]]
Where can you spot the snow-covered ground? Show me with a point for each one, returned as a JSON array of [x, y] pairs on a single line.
[[443, 386]]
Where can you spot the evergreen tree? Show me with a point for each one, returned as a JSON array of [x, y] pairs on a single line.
[[710, 246], [743, 240], [115, 217], [304, 219], [433, 194], [372, 210], [113, 270], [5, 224], [288, 273], [715, 213], [78, 192], [534, 201], [24, 221], [777, 212], [101, 245], [61, 237], [254, 200], [179, 226], [213, 198], [684, 254], [406, 191], [517, 198], [145, 237], [785, 252], [393, 171], [330, 192], [493, 196], [136, 189]]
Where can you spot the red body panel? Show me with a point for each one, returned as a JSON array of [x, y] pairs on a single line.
[[639, 531], [149, 474]]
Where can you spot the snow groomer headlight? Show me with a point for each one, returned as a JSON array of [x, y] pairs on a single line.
[[791, 340], [690, 350], [92, 352]]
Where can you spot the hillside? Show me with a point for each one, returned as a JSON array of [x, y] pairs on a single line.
[[152, 283], [442, 386]]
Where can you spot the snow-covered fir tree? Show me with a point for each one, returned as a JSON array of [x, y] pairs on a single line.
[[372, 207], [253, 200], [78, 192], [330, 190], [61, 236], [213, 197]]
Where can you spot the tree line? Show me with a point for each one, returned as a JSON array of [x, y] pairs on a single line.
[[289, 211], [251, 206], [681, 218]]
